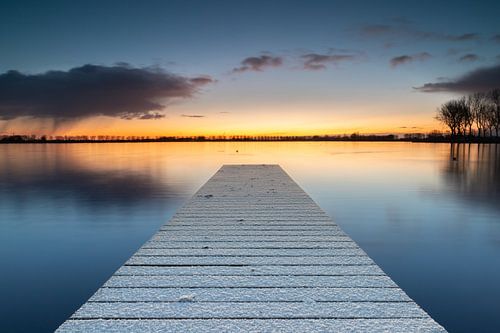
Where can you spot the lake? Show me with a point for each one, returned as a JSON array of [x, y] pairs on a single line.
[[71, 214]]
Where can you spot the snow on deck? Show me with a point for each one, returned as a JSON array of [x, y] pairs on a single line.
[[250, 252]]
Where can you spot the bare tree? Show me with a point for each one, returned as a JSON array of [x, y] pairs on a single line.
[[475, 102], [494, 97], [451, 114], [482, 110], [479, 110], [466, 116], [489, 116]]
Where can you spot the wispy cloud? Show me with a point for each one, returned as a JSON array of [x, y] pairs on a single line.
[[458, 38], [405, 59], [481, 79], [315, 61], [150, 115], [91, 90], [496, 38], [470, 57], [376, 30], [203, 79], [192, 116], [405, 29], [258, 63]]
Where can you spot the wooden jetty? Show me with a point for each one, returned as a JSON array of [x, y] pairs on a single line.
[[250, 252]]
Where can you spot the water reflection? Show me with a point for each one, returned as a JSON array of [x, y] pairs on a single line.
[[58, 175], [70, 215], [473, 173]]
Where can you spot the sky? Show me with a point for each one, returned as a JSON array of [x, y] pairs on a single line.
[[240, 68]]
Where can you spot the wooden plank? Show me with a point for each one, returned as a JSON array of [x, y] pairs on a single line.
[[161, 236], [267, 310], [288, 294], [253, 228], [251, 270], [374, 325], [242, 281], [246, 261], [253, 252], [236, 232], [342, 244]]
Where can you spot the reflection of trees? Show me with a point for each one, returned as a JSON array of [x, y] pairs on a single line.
[[473, 172], [24, 179]]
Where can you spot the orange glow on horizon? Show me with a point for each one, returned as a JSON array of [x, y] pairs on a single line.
[[274, 122]]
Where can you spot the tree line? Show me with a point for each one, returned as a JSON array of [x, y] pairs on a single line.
[[475, 115], [17, 138]]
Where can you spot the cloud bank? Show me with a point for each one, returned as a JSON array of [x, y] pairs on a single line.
[[258, 64], [91, 90], [481, 79]]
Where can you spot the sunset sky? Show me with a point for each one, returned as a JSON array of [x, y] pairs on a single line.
[[240, 67]]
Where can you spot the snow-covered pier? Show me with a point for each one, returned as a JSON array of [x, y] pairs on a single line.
[[250, 252]]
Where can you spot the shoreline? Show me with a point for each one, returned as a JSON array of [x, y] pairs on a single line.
[[482, 141]]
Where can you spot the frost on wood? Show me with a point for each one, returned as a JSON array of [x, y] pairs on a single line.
[[187, 298], [250, 252]]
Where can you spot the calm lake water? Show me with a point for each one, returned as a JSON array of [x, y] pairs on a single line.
[[71, 214]]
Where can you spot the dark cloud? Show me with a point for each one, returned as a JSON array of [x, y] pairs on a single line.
[[470, 57], [92, 90], [496, 38], [481, 79], [405, 29], [400, 60], [258, 64], [404, 59], [460, 38], [193, 116], [314, 61]]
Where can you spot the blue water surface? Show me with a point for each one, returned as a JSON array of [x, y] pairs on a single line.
[[71, 214]]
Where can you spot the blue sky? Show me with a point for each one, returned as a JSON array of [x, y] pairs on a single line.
[[211, 38]]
